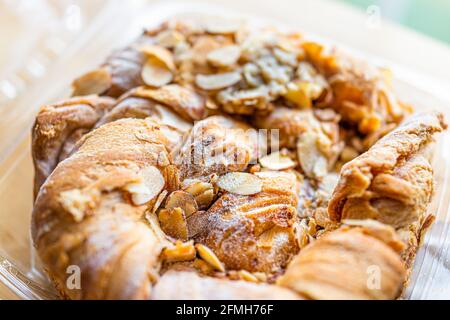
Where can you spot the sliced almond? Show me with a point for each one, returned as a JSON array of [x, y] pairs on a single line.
[[225, 56], [313, 163], [271, 70], [172, 119], [205, 198], [150, 184], [155, 73], [159, 201], [181, 251], [169, 38], [277, 161], [161, 54], [211, 104], [203, 193], [247, 276], [173, 223], [242, 101], [171, 175], [240, 183], [155, 226], [252, 75], [182, 53], [217, 81], [301, 233], [94, 82], [210, 257], [261, 276], [306, 71], [183, 200], [285, 57], [140, 193]]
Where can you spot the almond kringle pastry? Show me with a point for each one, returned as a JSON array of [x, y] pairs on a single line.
[[155, 181]]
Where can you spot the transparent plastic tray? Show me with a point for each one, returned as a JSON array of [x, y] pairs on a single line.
[[112, 26]]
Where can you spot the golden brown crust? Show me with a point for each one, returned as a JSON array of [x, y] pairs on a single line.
[[217, 145], [359, 92], [146, 209], [392, 182], [291, 123], [129, 107], [83, 208], [179, 285], [57, 128], [348, 263], [134, 105], [183, 101], [254, 232]]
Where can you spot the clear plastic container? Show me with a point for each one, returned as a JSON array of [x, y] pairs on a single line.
[[92, 32]]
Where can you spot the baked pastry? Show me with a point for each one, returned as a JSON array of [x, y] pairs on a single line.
[[58, 127], [211, 160], [337, 265]]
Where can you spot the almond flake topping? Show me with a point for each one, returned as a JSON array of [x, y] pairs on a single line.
[[277, 161], [225, 56], [210, 257], [150, 184], [240, 183], [217, 81]]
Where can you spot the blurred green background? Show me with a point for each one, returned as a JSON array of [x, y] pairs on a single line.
[[430, 17]]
